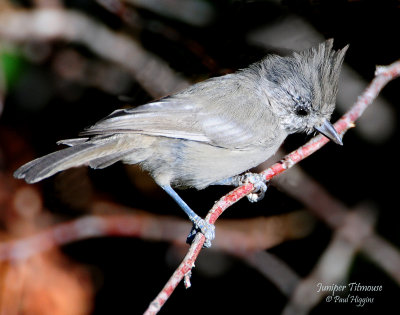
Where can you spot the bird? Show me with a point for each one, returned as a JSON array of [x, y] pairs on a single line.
[[213, 131]]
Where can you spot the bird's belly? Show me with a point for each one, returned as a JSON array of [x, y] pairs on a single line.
[[203, 164], [183, 163]]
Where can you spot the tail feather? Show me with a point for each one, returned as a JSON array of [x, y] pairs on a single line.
[[98, 152], [52, 163]]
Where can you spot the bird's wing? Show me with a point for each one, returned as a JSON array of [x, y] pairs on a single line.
[[168, 118], [211, 117]]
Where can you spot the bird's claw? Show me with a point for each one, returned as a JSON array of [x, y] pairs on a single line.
[[207, 229], [259, 183]]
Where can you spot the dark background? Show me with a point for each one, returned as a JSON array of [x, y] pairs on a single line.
[[128, 273]]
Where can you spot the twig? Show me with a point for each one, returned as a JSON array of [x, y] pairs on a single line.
[[333, 212], [156, 77], [274, 269], [383, 76], [250, 234], [384, 254], [334, 263]]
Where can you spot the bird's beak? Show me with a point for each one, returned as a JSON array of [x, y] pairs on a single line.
[[327, 129]]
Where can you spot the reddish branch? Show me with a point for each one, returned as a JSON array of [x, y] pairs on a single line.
[[382, 76], [249, 234]]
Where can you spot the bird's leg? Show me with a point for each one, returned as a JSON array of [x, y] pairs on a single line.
[[259, 182], [199, 224]]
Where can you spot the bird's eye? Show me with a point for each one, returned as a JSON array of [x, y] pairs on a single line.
[[302, 106], [301, 111]]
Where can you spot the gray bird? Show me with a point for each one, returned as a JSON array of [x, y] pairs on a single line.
[[214, 130]]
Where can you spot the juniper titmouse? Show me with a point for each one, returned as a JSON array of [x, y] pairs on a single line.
[[213, 130]]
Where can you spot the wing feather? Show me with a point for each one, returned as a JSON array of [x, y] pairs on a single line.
[[214, 112], [169, 118]]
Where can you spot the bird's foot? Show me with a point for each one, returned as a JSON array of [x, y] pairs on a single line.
[[259, 182], [207, 229]]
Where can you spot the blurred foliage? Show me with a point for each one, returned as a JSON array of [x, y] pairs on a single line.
[[12, 65]]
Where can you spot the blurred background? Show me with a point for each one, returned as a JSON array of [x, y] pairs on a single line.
[[66, 64]]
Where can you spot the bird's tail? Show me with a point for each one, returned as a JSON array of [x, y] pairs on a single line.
[[97, 153]]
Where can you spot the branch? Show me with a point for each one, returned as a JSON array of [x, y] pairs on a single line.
[[382, 76], [154, 74], [334, 263], [250, 234], [274, 269], [333, 212]]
